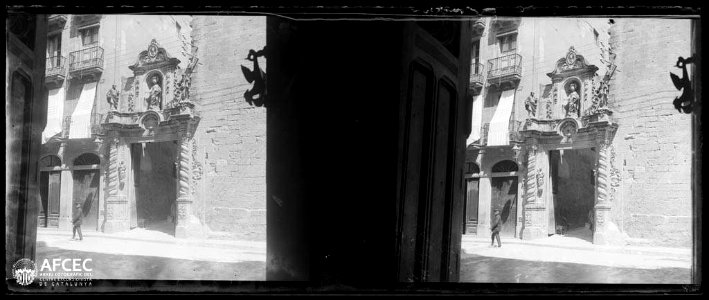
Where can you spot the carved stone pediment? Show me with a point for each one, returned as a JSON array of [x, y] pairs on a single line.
[[152, 58], [572, 64]]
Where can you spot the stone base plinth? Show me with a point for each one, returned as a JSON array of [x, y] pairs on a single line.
[[65, 223], [533, 233], [116, 226], [192, 228]]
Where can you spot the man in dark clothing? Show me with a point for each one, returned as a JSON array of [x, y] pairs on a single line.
[[496, 227], [77, 222]]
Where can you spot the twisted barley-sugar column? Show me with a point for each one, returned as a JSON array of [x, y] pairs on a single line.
[[113, 168], [603, 163], [185, 166]]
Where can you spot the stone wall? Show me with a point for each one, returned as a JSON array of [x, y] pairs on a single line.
[[651, 152], [230, 158]]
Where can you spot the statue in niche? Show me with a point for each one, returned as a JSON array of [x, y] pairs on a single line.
[[112, 98], [572, 104], [531, 105], [154, 98]]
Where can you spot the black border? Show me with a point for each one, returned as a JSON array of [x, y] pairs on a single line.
[[365, 10]]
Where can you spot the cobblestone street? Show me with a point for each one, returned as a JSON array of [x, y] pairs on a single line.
[[571, 260], [143, 254]]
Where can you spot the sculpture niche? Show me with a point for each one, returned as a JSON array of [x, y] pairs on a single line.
[[572, 104], [154, 98]]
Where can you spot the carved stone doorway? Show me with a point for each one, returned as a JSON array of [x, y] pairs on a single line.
[[573, 190], [153, 192]]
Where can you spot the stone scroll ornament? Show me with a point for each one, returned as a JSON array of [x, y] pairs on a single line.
[[256, 95], [683, 103]]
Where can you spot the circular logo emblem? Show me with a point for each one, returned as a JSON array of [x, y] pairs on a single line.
[[24, 271]]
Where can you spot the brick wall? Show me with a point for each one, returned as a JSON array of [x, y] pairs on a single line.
[[652, 148], [231, 136]]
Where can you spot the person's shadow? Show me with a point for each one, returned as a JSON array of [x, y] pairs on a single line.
[[86, 206]]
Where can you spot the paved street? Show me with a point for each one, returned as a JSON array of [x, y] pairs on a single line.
[[143, 254], [571, 260]]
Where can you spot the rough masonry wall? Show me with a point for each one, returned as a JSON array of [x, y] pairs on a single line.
[[651, 186], [230, 156]]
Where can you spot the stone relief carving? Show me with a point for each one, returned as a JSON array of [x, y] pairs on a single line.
[[540, 182], [615, 175], [112, 98], [530, 104]]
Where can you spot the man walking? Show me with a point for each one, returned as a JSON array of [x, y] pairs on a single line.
[[77, 222], [496, 227]]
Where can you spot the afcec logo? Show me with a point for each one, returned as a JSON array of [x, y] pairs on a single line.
[[24, 271]]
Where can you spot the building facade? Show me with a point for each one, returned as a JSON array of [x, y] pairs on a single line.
[[123, 136], [566, 130]]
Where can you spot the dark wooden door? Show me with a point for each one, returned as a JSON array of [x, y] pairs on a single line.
[[504, 197], [432, 139], [86, 188], [471, 205]]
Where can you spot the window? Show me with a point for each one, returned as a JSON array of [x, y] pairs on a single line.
[[508, 43], [476, 57], [89, 36], [54, 50]]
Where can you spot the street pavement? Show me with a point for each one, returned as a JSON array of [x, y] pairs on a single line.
[[571, 259], [146, 254]]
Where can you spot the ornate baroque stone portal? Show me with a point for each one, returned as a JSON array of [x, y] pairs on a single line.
[[155, 121], [576, 117]]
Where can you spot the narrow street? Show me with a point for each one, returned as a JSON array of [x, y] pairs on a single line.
[[145, 254], [571, 260]]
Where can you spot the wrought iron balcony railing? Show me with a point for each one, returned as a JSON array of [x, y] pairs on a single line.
[[514, 134], [89, 59], [96, 121], [508, 67], [476, 73], [56, 67]]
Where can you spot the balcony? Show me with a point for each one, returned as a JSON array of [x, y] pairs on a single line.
[[505, 70], [56, 22], [86, 63], [95, 123], [476, 78], [514, 131], [55, 71]]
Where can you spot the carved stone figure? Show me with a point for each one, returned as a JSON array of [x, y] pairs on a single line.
[[112, 97], [572, 104], [154, 98], [531, 105]]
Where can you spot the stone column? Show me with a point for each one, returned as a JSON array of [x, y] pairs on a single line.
[[66, 195], [484, 198], [187, 224], [535, 215], [602, 206], [116, 202]]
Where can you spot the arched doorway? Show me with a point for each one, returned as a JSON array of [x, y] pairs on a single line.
[[472, 183], [87, 180], [504, 195], [49, 191]]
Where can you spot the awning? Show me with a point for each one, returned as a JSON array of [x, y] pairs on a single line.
[[55, 114], [81, 117], [477, 120], [499, 132]]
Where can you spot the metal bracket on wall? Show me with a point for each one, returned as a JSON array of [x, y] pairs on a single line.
[[684, 102]]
